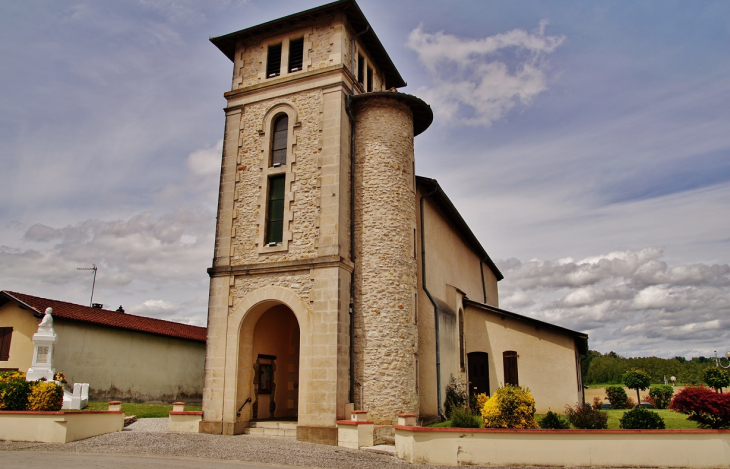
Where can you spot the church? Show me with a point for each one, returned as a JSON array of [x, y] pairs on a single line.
[[342, 281]]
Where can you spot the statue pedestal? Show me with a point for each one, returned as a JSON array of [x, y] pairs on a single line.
[[42, 366]]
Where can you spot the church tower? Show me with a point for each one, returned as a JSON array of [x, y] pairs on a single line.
[[313, 283]]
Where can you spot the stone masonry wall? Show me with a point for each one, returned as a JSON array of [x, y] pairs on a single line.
[[385, 268], [304, 188]]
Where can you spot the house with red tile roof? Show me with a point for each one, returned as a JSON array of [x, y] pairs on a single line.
[[122, 356]]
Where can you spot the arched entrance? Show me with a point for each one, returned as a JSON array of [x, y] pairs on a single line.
[[274, 362]]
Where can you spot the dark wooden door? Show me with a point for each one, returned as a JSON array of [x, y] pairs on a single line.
[[510, 368], [478, 373]]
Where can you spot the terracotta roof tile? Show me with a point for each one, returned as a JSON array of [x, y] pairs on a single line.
[[105, 317]]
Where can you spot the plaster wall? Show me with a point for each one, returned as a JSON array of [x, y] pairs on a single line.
[[565, 448], [24, 325], [58, 427], [127, 365], [452, 271], [547, 360]]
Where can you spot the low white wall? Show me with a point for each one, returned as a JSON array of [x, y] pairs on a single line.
[[58, 427], [184, 422], [595, 448]]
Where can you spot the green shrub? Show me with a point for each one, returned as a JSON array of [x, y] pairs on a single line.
[[554, 421], [640, 418], [45, 396], [585, 417], [716, 378], [637, 379], [463, 418], [617, 396], [14, 394], [510, 407], [662, 395], [456, 396]]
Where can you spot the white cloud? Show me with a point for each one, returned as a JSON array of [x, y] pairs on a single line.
[[631, 302], [472, 81], [206, 161]]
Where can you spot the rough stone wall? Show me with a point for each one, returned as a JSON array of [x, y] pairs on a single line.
[[322, 39], [305, 181], [385, 271]]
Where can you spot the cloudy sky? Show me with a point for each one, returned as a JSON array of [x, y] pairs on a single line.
[[586, 143]]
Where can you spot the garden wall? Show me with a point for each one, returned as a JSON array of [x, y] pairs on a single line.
[[595, 448], [58, 427]]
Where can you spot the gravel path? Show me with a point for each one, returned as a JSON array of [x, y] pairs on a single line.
[[150, 437]]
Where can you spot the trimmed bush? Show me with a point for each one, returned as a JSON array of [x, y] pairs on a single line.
[[709, 409], [585, 417], [662, 395], [45, 396], [14, 394], [554, 421], [510, 407], [640, 418], [617, 396], [637, 379], [716, 378], [462, 418]]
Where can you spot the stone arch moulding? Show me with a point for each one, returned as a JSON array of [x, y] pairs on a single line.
[[275, 110], [247, 313]]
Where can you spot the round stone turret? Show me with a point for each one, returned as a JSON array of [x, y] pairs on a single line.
[[386, 335]]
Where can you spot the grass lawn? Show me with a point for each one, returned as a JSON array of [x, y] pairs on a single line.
[[142, 411], [673, 420]]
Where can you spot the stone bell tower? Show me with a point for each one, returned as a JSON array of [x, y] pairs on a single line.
[[313, 280]]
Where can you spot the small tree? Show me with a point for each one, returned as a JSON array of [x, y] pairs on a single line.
[[637, 379], [716, 378], [662, 395], [707, 408], [617, 396]]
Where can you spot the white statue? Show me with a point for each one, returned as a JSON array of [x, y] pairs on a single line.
[[47, 322]]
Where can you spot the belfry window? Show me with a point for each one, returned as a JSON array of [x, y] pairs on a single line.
[[275, 210], [273, 61], [296, 54], [279, 140], [361, 69]]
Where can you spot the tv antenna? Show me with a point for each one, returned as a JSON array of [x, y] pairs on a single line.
[[93, 284]]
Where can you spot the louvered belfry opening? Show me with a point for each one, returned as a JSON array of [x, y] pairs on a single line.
[[273, 61], [296, 54]]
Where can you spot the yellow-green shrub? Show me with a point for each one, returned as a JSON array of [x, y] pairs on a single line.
[[482, 399], [510, 407], [45, 396]]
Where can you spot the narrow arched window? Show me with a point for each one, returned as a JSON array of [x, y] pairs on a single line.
[[278, 148], [461, 339]]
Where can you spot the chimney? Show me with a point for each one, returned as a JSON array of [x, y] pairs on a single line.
[[97, 305], [120, 309]]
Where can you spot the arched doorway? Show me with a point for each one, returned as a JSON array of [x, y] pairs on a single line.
[[275, 364]]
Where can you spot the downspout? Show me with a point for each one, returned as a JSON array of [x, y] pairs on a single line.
[[435, 309], [352, 219]]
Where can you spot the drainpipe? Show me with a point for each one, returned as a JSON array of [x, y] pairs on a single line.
[[348, 109], [435, 309]]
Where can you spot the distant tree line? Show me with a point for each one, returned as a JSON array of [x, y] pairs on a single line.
[[609, 368]]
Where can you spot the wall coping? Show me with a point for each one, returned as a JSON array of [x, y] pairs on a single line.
[[407, 415], [359, 412], [187, 412], [61, 412], [355, 422], [544, 431]]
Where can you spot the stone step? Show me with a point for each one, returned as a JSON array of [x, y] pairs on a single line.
[[272, 428]]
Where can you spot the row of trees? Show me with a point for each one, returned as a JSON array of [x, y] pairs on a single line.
[[609, 368]]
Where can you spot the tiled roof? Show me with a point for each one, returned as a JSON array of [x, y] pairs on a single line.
[[105, 317]]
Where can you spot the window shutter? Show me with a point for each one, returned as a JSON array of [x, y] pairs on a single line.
[[6, 334], [510, 368], [296, 54]]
